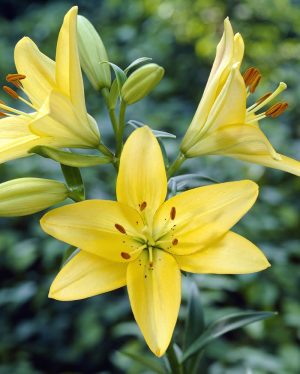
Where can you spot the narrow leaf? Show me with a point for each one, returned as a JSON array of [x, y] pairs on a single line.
[[148, 362], [187, 181], [119, 73], [113, 95], [136, 62], [74, 181], [159, 134], [222, 326], [69, 158]]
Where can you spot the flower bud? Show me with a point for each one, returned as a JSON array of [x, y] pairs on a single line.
[[141, 82], [23, 196], [92, 52]]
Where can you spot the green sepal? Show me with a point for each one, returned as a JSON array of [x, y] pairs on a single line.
[[69, 158], [157, 133], [137, 62], [74, 181], [222, 326], [119, 73], [148, 362]]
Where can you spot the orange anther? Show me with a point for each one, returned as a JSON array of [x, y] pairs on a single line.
[[11, 92], [276, 110], [15, 77], [263, 98], [252, 77]]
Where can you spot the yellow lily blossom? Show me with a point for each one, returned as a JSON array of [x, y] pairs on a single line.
[[143, 242], [222, 125], [55, 96]]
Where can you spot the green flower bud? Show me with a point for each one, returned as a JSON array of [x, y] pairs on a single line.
[[23, 196], [141, 82], [92, 52]]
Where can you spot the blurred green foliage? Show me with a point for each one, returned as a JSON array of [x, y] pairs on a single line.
[[39, 335]]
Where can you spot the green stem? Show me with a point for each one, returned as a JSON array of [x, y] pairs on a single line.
[[176, 164], [111, 111], [175, 366], [121, 128], [106, 151]]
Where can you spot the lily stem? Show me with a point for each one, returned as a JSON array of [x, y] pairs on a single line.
[[121, 126], [176, 164], [175, 366], [111, 111]]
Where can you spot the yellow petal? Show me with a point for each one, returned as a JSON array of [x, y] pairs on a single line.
[[239, 48], [202, 215], [235, 139], [38, 68], [68, 72], [142, 181], [96, 226], [154, 295], [233, 254], [59, 119], [284, 163], [87, 275]]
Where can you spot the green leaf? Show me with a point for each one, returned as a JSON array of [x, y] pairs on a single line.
[[187, 181], [113, 95], [119, 73], [69, 158], [159, 134], [148, 362], [136, 62], [222, 326], [74, 181]]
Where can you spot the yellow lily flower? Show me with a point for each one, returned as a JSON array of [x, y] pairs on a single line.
[[143, 242], [55, 96], [222, 125]]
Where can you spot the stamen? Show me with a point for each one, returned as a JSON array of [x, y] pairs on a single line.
[[251, 75], [276, 110], [3, 114], [254, 108], [125, 255], [175, 241], [15, 77], [263, 98], [120, 228], [173, 213], [11, 92], [143, 206], [255, 83]]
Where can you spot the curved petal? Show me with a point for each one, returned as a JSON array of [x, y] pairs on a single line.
[[59, 119], [284, 163], [233, 254], [38, 68], [68, 72], [201, 215], [154, 294], [235, 139], [100, 227], [142, 181], [87, 275]]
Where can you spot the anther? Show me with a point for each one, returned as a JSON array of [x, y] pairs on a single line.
[[125, 255], [251, 75], [3, 114], [143, 206], [255, 83], [15, 77], [175, 241], [263, 98], [120, 228], [173, 213], [276, 110], [10, 92]]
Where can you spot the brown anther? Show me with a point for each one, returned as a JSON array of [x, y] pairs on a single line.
[[173, 213], [255, 83], [17, 84], [11, 92], [175, 241], [143, 206], [250, 75], [120, 228], [263, 98], [2, 114], [125, 255], [15, 77], [276, 110], [2, 102]]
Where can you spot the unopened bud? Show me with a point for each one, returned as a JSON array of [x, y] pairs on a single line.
[[141, 82], [92, 52], [24, 196]]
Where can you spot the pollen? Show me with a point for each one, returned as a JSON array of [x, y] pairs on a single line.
[[143, 206], [125, 255], [175, 241], [120, 228], [276, 110], [251, 76], [10, 92], [173, 213]]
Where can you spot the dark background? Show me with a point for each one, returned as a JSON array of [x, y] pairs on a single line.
[[39, 335]]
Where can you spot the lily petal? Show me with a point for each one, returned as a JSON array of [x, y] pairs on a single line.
[[68, 72], [87, 275], [154, 295], [38, 68], [202, 215], [142, 181], [233, 254], [100, 227]]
